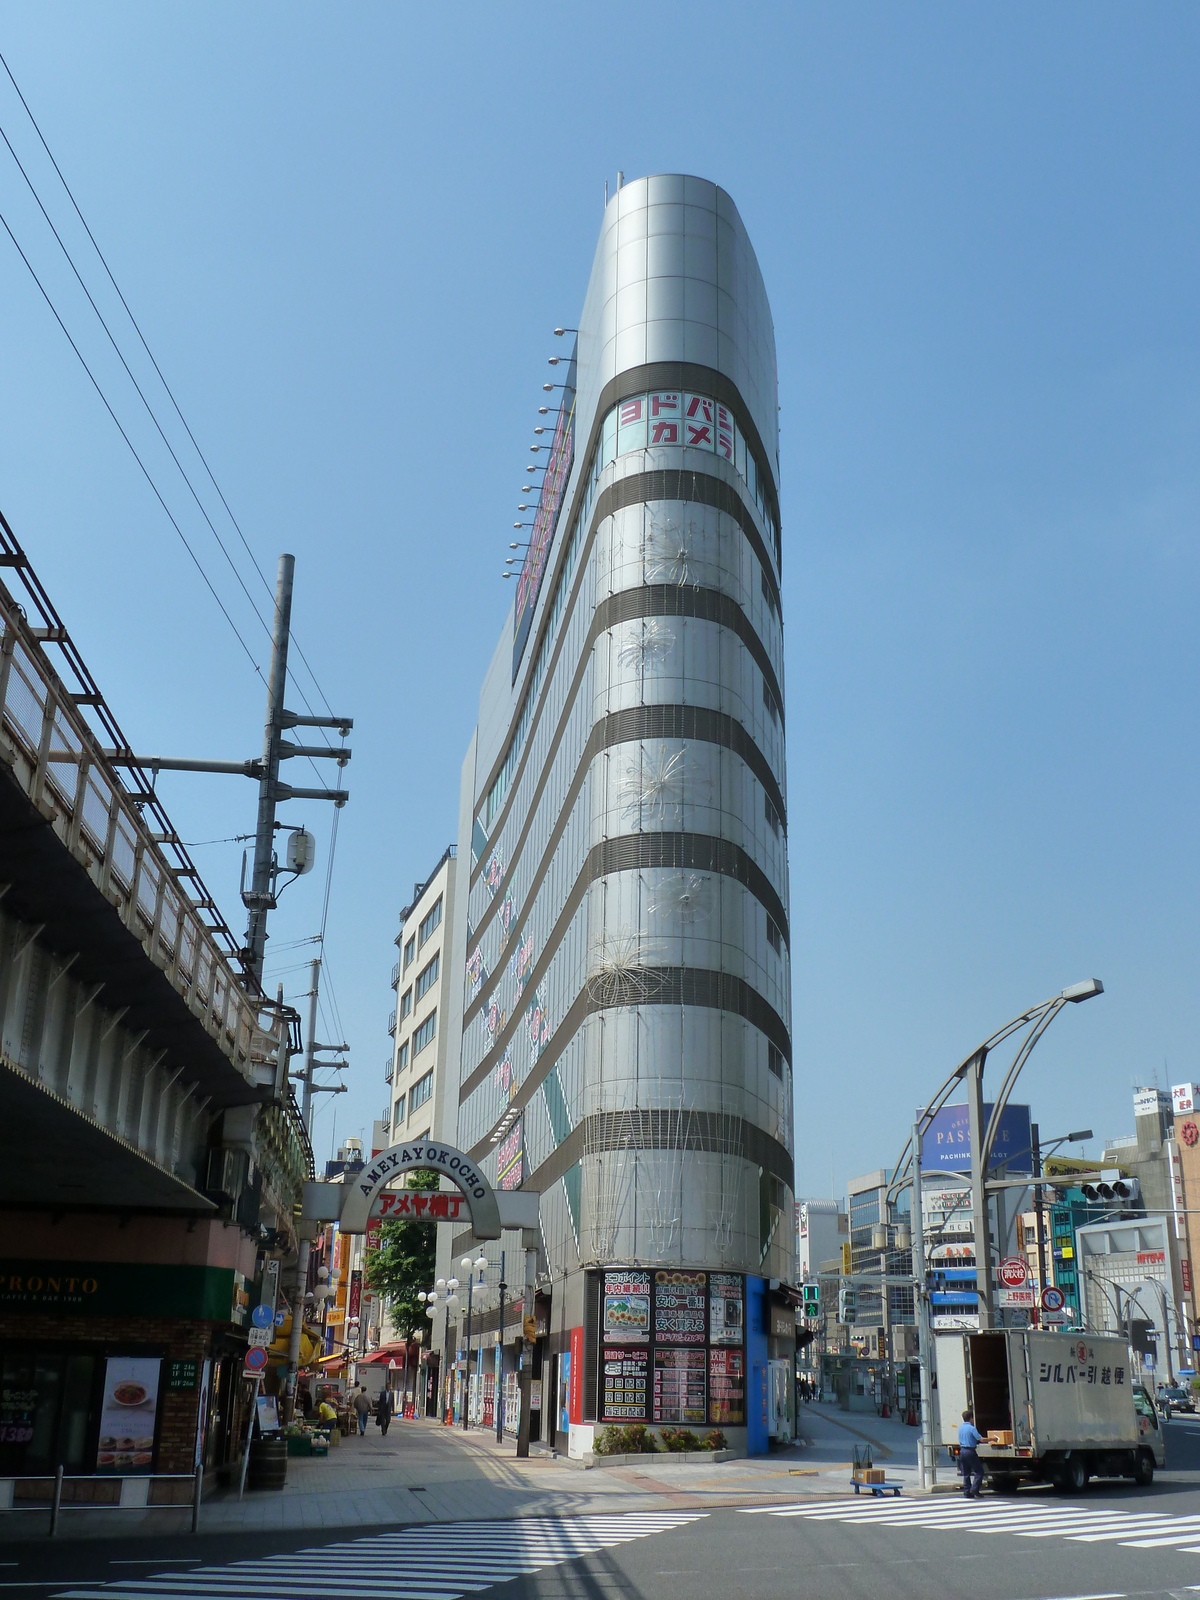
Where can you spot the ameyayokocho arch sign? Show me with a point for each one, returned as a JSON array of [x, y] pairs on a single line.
[[369, 1184]]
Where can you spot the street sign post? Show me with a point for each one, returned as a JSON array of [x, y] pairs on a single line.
[[260, 1338], [1018, 1299], [256, 1360], [1013, 1272], [1053, 1299]]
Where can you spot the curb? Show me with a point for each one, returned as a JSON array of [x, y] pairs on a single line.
[[693, 1456]]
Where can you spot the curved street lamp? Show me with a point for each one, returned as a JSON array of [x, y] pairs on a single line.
[[982, 1138]]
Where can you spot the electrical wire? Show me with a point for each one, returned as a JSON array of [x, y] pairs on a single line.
[[153, 416], [154, 363], [132, 450], [141, 395]]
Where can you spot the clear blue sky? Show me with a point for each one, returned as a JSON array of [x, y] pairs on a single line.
[[348, 234]]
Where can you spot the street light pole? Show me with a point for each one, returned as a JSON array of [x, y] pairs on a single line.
[[927, 1452], [500, 1372], [983, 1132], [466, 1404]]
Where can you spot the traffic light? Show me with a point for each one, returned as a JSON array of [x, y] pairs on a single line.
[[1121, 1189], [847, 1304], [812, 1299], [847, 1259]]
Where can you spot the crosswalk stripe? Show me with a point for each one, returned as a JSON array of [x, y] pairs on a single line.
[[1027, 1519], [419, 1563]]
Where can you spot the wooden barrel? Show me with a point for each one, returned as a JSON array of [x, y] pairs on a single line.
[[268, 1462]]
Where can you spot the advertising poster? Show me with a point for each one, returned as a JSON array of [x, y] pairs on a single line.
[[727, 1319], [625, 1370], [946, 1142], [679, 1387], [564, 1391], [727, 1386], [680, 1307], [625, 1307], [510, 1159], [128, 1413]]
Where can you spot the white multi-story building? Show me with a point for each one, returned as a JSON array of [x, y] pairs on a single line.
[[626, 1028], [425, 1022], [822, 1227]]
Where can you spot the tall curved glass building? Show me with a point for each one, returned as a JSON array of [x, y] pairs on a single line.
[[626, 1025]]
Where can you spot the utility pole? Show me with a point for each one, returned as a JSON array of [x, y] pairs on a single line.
[[310, 1045], [979, 1200], [1038, 1213], [261, 898], [927, 1454]]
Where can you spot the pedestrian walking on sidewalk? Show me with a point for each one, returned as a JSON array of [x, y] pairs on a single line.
[[969, 1464], [362, 1405], [383, 1410]]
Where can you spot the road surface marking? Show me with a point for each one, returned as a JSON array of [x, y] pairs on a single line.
[[1024, 1519], [436, 1562]]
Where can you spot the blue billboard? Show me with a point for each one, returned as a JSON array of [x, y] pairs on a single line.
[[946, 1142]]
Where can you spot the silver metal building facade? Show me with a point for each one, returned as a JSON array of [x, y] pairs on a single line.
[[626, 1031]]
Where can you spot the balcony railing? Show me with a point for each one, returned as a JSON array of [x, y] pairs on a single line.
[[121, 837], [395, 974], [389, 1071], [392, 1024]]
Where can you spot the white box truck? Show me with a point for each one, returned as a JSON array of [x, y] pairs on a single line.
[[1065, 1405]]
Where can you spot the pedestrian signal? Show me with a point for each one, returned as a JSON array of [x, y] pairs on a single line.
[[847, 1305]]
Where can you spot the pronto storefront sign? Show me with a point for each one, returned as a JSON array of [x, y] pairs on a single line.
[[117, 1288]]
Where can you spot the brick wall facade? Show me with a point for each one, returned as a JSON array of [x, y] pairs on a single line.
[[177, 1339]]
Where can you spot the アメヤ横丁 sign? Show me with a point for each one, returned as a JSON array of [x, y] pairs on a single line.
[[364, 1190]]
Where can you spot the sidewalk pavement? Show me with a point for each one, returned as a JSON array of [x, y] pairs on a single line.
[[425, 1472]]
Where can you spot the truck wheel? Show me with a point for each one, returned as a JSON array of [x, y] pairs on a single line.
[[1004, 1482], [1074, 1474], [1143, 1471]]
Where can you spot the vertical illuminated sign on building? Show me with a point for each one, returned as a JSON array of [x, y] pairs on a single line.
[[554, 487]]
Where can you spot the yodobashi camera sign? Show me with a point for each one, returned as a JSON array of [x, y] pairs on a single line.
[[946, 1142]]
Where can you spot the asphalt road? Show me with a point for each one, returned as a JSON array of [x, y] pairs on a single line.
[[1115, 1542]]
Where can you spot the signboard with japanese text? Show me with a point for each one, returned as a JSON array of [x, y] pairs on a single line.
[[679, 1386], [726, 1314], [1017, 1299], [625, 1306], [510, 1157], [624, 1373], [680, 1306], [420, 1205], [727, 1386]]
